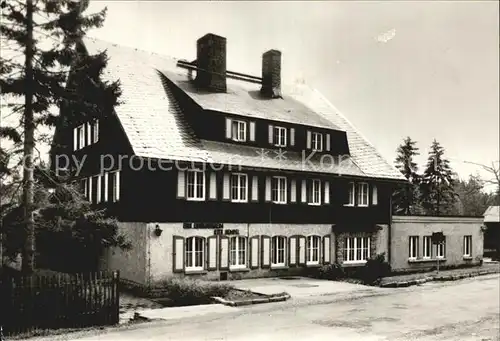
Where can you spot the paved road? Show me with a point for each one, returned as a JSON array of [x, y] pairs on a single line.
[[455, 311]]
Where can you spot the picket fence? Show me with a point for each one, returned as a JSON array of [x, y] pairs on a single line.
[[57, 301]]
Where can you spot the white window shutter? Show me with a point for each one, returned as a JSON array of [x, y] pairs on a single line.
[[308, 140], [327, 192], [302, 250], [326, 249], [224, 253], [181, 184], [225, 187], [268, 188], [255, 188], [252, 131], [292, 137], [178, 254], [213, 186], [89, 133], [117, 189], [90, 189], [271, 134], [266, 252], [106, 186], [98, 190], [374, 195], [293, 250], [303, 192], [75, 139], [254, 247], [212, 253], [327, 142], [293, 190], [228, 128]]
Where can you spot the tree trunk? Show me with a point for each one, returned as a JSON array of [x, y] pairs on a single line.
[[28, 264]]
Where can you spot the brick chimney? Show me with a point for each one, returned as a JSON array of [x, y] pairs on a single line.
[[211, 59], [271, 74]]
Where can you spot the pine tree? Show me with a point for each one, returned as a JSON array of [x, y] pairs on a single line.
[[43, 39], [437, 187], [405, 198]]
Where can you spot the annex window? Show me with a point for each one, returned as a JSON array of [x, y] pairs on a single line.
[[95, 131], [278, 190], [115, 186], [413, 247], [239, 187], [195, 247], [278, 251], [427, 247], [98, 180], [238, 252], [315, 192], [239, 131], [280, 137], [79, 137], [363, 194], [351, 194], [441, 249], [357, 249], [85, 187], [467, 246], [195, 185], [313, 249], [317, 142]]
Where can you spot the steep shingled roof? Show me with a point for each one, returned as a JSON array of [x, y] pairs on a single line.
[[492, 214], [153, 122]]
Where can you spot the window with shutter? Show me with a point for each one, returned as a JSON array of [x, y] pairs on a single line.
[[279, 137], [239, 187], [195, 185], [195, 253], [313, 250], [278, 251]]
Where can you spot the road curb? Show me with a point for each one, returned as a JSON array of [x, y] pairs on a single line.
[[445, 278], [252, 301]]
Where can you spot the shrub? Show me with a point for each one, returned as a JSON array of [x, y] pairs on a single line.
[[374, 269], [331, 272], [190, 292]]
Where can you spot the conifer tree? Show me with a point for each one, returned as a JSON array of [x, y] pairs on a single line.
[[44, 39], [437, 186], [405, 198]]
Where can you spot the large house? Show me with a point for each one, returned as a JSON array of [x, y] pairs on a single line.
[[224, 175]]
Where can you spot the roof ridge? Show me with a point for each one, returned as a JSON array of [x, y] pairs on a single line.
[[132, 48]]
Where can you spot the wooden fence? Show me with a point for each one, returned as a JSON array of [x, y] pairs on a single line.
[[59, 301]]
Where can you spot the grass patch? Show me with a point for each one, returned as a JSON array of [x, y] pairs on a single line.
[[185, 291]]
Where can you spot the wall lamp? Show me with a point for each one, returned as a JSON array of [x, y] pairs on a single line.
[[158, 231]]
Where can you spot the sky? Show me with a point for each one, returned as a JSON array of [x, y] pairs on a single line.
[[428, 70]]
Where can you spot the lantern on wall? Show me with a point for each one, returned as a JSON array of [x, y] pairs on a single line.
[[158, 231]]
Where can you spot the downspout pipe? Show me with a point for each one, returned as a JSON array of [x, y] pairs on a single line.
[[389, 232]]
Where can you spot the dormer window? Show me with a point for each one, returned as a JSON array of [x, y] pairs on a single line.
[[239, 131], [317, 142], [280, 137]]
